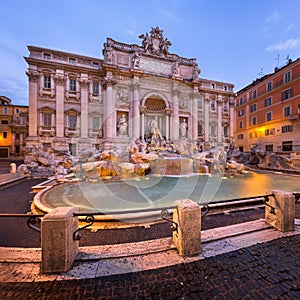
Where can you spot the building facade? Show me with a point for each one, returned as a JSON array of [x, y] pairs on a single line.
[[13, 128], [267, 111], [77, 101]]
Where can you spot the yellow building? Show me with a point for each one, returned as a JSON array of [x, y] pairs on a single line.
[[13, 128]]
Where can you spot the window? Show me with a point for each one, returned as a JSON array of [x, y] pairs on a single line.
[[212, 85], [213, 104], [47, 56], [250, 135], [287, 77], [254, 121], [17, 110], [4, 122], [253, 107], [95, 65], [226, 131], [47, 82], [269, 86], [287, 111], [72, 85], [240, 112], [95, 88], [95, 124], [72, 61], [225, 87], [47, 119], [4, 134], [269, 148], [200, 103], [268, 102], [268, 116], [287, 146], [5, 110], [213, 130], [225, 106], [241, 101], [254, 94], [270, 131], [287, 94], [240, 136], [72, 121], [287, 128], [241, 124]]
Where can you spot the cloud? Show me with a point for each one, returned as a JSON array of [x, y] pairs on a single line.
[[288, 44], [130, 32], [167, 14], [289, 27], [274, 17]]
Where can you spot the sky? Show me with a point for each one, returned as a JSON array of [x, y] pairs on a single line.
[[233, 41]]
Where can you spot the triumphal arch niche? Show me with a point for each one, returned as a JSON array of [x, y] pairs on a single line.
[[133, 92]]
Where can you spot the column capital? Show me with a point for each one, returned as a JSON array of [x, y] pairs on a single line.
[[32, 75], [59, 79], [83, 83]]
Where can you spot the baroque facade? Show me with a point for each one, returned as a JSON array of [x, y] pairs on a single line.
[[77, 101], [267, 111], [13, 128]]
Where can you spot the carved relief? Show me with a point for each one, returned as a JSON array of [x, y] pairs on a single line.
[[183, 102], [122, 95]]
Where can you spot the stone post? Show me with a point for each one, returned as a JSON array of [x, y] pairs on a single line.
[[58, 247], [188, 217], [284, 217]]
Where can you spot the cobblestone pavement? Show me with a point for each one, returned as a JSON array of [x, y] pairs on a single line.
[[263, 271]]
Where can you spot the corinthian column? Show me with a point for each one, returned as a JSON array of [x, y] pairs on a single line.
[[206, 119], [109, 110], [33, 92], [175, 114], [231, 115], [219, 131], [195, 114], [135, 109], [84, 129]]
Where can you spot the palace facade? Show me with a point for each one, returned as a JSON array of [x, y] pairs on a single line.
[[268, 111], [77, 101]]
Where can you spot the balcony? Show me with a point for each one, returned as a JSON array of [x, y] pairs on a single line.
[[46, 131], [293, 117], [71, 131]]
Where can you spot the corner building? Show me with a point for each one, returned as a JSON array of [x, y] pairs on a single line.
[[13, 129], [77, 101], [268, 111]]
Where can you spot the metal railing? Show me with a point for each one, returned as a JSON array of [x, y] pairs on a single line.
[[32, 219], [90, 217], [237, 202]]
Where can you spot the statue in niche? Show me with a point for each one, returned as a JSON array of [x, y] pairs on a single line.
[[122, 125], [183, 128], [136, 60], [122, 94], [156, 134], [176, 69]]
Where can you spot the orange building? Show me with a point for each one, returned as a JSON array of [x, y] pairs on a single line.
[[13, 128], [267, 111]]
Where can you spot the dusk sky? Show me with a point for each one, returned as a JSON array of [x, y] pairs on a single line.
[[233, 41]]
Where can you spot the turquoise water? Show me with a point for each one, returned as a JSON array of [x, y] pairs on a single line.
[[156, 191]]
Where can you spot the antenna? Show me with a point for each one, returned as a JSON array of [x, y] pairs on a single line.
[[261, 73], [277, 58], [287, 58]]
